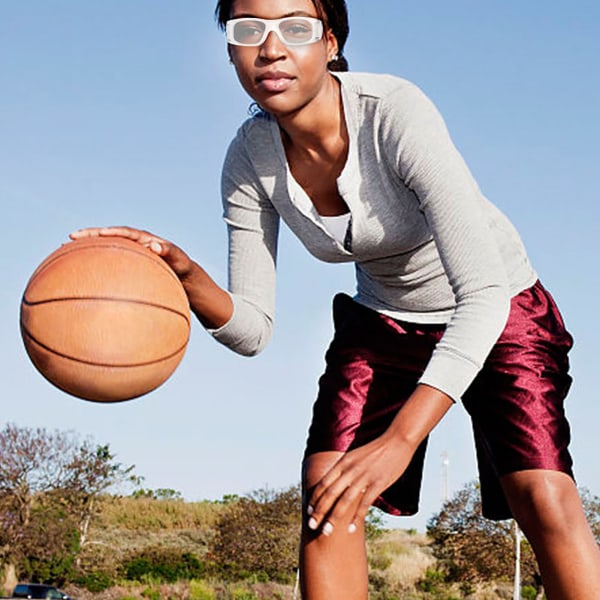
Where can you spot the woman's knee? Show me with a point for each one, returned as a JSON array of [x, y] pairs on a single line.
[[316, 466], [543, 500]]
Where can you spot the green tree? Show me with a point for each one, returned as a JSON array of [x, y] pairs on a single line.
[[257, 536], [31, 463], [157, 494], [90, 471], [474, 549], [49, 545], [48, 484]]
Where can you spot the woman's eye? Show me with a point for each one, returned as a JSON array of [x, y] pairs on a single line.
[[248, 32], [296, 31]]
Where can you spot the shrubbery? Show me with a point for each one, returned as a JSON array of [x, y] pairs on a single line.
[[95, 581], [257, 536], [163, 565], [48, 545]]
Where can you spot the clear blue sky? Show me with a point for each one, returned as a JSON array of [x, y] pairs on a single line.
[[120, 112]]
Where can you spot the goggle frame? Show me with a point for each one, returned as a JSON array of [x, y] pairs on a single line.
[[274, 25]]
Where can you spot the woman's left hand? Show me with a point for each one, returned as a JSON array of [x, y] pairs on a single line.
[[361, 473], [369, 470]]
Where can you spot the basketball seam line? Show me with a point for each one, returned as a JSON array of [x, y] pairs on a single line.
[[30, 303], [100, 364]]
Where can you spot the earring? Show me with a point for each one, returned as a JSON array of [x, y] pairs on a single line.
[[334, 58]]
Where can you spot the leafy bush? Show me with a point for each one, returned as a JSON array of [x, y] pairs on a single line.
[[163, 565], [241, 594], [374, 524], [431, 581], [470, 548], [528, 592], [257, 536], [380, 560], [200, 590], [96, 581], [49, 545]]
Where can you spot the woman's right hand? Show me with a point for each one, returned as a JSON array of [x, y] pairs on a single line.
[[174, 256], [209, 302]]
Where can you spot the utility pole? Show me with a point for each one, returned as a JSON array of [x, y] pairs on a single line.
[[517, 586], [445, 483]]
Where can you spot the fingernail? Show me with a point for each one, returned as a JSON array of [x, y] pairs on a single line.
[[155, 247], [327, 528], [352, 528], [312, 523], [309, 510]]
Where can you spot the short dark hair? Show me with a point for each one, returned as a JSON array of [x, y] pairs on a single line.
[[333, 13]]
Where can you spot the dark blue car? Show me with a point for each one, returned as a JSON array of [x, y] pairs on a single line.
[[39, 590]]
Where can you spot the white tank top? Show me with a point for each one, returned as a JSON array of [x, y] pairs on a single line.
[[337, 225]]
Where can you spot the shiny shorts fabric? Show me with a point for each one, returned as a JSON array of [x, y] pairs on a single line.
[[515, 402]]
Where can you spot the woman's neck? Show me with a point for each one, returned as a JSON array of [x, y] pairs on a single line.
[[316, 147], [318, 127]]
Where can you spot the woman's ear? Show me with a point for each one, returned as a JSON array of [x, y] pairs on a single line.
[[332, 45]]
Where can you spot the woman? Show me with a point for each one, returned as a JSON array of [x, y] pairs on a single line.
[[448, 307]]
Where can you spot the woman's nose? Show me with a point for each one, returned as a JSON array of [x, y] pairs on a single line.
[[272, 48]]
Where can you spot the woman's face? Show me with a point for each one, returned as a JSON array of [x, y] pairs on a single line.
[[281, 79]]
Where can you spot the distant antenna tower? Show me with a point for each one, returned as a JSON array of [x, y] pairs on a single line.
[[445, 484]]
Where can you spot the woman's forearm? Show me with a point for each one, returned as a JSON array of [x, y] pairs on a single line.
[[419, 415], [211, 304]]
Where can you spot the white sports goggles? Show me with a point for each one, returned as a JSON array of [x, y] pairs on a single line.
[[292, 31]]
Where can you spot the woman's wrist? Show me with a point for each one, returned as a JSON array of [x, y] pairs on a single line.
[[211, 304], [417, 418]]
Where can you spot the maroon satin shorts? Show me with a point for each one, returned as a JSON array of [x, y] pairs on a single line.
[[515, 402]]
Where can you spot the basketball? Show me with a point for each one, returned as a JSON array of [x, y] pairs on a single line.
[[105, 319]]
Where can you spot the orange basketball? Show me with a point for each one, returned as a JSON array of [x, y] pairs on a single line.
[[105, 319]]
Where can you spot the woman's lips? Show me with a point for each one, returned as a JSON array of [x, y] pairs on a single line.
[[277, 81]]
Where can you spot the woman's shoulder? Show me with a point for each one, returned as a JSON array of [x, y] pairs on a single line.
[[392, 102], [254, 133], [377, 85], [259, 124], [255, 151]]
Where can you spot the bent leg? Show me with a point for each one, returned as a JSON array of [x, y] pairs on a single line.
[[547, 507], [331, 567]]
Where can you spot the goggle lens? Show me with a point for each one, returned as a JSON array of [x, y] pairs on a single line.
[[292, 31]]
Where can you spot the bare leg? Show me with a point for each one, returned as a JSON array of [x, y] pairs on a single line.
[[331, 567], [547, 507]]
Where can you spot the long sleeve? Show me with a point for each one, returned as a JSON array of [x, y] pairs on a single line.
[[253, 226], [453, 206]]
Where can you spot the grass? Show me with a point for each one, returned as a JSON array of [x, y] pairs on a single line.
[[157, 515], [193, 590], [398, 559]]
